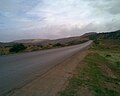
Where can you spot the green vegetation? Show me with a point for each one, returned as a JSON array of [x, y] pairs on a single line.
[[108, 45], [108, 35], [17, 48], [32, 48], [4, 50], [99, 75], [58, 45]]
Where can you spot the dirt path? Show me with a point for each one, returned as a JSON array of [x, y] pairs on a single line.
[[53, 81]]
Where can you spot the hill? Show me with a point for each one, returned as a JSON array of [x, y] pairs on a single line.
[[29, 40], [106, 35], [64, 41]]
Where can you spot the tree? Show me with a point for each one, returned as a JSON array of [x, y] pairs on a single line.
[[17, 48]]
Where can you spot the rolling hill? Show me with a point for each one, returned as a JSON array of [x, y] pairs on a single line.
[[115, 35], [29, 41]]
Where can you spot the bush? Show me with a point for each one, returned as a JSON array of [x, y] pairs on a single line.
[[58, 45], [108, 55], [96, 41], [17, 48]]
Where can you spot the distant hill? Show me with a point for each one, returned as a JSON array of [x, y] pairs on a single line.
[[89, 34], [115, 35], [64, 40], [30, 41], [6, 44], [68, 41], [44, 42]]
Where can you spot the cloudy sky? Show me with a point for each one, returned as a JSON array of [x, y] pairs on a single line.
[[22, 19]]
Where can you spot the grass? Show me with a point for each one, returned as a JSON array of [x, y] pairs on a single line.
[[114, 58], [4, 51], [107, 45], [100, 75]]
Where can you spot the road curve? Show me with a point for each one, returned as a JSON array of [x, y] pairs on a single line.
[[19, 69]]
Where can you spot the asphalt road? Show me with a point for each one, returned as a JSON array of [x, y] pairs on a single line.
[[19, 69]]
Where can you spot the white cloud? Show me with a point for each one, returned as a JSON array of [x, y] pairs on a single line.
[[59, 18]]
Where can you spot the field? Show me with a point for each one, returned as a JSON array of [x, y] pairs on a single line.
[[99, 73]]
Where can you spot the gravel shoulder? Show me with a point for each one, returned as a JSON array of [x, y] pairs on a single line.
[[53, 81]]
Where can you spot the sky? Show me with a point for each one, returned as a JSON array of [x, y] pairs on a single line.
[[52, 19]]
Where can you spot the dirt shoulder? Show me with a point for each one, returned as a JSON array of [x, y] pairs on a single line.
[[54, 80]]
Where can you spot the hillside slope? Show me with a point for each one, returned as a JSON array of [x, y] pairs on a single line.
[[30, 40], [108, 35]]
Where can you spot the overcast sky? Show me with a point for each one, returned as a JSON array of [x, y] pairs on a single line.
[[22, 19]]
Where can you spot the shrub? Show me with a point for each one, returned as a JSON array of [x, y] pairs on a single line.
[[17, 48], [58, 45], [108, 55], [96, 41]]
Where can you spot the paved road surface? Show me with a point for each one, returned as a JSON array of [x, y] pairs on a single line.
[[19, 69]]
